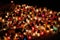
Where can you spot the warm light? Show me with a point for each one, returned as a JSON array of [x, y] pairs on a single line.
[[42, 33], [34, 34], [27, 21], [44, 9], [38, 34], [4, 29], [0, 18], [30, 12], [47, 31], [19, 18], [29, 16], [16, 18], [12, 1], [35, 18], [50, 12], [6, 16], [16, 35], [3, 20], [36, 26], [18, 9], [37, 10], [29, 37], [32, 28], [24, 33], [29, 31], [51, 29], [39, 19], [58, 18], [8, 37], [14, 27]]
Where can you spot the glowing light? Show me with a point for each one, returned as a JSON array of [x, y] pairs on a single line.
[[58, 18], [12, 1], [29, 31], [30, 12], [24, 33], [19, 18], [14, 27], [51, 29], [27, 21], [48, 26], [0, 18], [3, 20], [33, 28], [4, 29], [45, 9], [6, 16], [55, 28], [42, 33], [35, 18], [29, 37], [37, 10], [38, 34], [47, 31], [36, 26], [33, 34], [18, 9], [16, 35], [42, 27], [39, 19], [16, 18], [50, 12], [31, 18], [8, 37]]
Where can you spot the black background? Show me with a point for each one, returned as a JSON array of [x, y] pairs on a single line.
[[51, 4]]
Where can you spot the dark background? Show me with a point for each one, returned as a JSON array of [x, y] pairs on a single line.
[[50, 4]]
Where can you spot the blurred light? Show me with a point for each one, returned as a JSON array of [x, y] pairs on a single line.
[[58, 18], [35, 18], [55, 28], [3, 20], [0, 18], [29, 37], [37, 10], [29, 31], [34, 34], [24, 33], [12, 1], [47, 31], [16, 35], [32, 28], [51, 29], [14, 27], [42, 33], [25, 38], [4, 28], [8, 37], [50, 12], [38, 34], [6, 16]]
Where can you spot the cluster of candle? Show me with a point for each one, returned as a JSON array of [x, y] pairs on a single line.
[[30, 21]]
